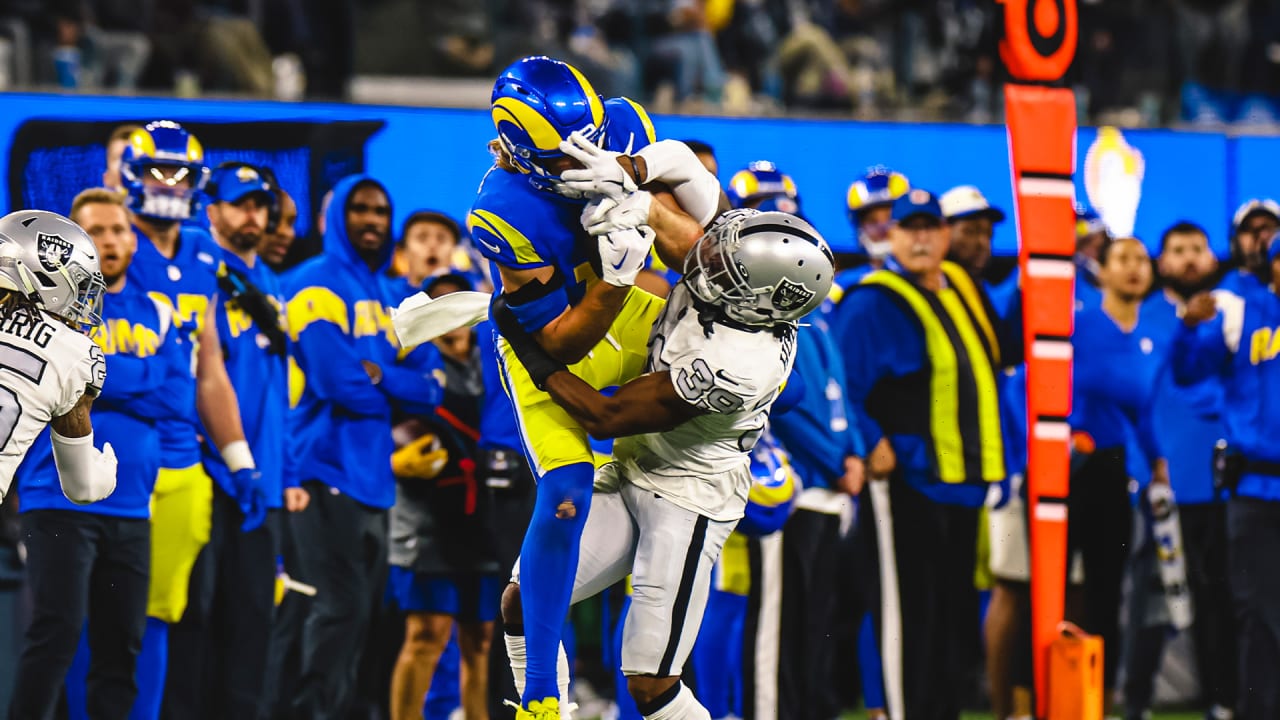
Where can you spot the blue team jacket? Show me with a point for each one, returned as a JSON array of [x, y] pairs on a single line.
[[338, 315], [1188, 420], [187, 284], [261, 380], [1115, 380], [1240, 346], [817, 432], [144, 358]]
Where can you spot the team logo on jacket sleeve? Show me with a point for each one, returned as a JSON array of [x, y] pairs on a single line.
[[789, 296], [53, 250]]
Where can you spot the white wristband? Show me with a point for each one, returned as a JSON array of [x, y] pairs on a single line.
[[237, 456]]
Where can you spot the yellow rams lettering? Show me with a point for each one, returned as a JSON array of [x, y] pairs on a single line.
[[238, 321], [117, 336], [1264, 345], [372, 319]]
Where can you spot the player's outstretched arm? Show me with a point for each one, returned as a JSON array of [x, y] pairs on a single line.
[[647, 404], [86, 474]]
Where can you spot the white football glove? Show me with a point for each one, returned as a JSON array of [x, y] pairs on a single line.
[[623, 254], [600, 174], [606, 215]]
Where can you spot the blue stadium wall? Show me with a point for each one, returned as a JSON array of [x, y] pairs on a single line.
[[435, 158]]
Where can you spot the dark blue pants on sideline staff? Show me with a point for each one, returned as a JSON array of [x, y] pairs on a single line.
[[1253, 561], [83, 566]]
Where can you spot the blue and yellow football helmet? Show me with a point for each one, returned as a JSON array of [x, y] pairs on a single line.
[[537, 103], [879, 186], [163, 144], [760, 179], [774, 489]]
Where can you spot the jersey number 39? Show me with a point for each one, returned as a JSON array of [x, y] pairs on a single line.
[[699, 388]]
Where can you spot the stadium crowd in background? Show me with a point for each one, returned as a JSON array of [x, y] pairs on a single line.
[[356, 506], [1204, 62]]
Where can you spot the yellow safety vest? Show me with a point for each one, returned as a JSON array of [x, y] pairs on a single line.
[[962, 356]]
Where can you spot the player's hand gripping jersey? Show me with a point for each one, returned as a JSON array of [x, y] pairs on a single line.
[[733, 372]]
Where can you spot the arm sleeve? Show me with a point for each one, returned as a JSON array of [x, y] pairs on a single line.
[[320, 325], [1198, 353], [88, 376], [414, 384]]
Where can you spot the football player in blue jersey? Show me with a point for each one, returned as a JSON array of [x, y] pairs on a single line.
[[869, 200], [163, 172], [559, 146]]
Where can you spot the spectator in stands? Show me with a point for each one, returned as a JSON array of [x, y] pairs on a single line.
[[689, 49], [1188, 422], [1109, 408], [1213, 36], [219, 42], [1233, 338], [346, 351], [100, 43]]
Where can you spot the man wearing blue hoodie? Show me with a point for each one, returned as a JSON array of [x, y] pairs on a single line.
[[339, 319]]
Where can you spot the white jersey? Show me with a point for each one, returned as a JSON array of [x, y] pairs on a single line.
[[703, 465], [45, 368]]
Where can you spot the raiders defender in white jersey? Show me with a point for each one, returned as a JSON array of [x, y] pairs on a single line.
[[50, 371], [718, 357]]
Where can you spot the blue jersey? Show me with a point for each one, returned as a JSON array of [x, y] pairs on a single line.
[[187, 284], [518, 226], [1188, 420], [1115, 380], [338, 316], [498, 427], [817, 432], [1241, 346], [260, 377], [143, 359]]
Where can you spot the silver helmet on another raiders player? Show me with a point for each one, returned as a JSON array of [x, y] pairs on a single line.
[[52, 262], [761, 268]]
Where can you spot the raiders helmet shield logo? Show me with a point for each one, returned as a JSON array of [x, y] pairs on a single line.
[[54, 252], [790, 296]]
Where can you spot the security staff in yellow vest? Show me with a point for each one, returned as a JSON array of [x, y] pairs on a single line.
[[922, 348]]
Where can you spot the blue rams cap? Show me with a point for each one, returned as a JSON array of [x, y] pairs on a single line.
[[233, 183], [916, 202]]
